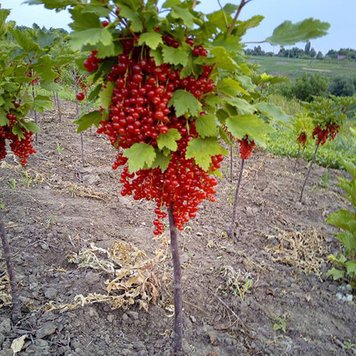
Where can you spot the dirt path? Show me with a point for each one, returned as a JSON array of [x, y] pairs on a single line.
[[264, 293]]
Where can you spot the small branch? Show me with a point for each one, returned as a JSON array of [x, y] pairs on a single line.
[[230, 231], [177, 274], [237, 14], [226, 23], [231, 164], [255, 42], [296, 160], [308, 172], [16, 312]]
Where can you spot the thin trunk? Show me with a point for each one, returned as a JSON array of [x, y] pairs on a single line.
[[230, 231], [77, 109], [34, 111], [308, 172], [178, 313], [58, 104], [296, 161], [231, 164], [16, 312]]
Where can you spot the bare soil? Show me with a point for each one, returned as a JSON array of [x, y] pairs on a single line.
[[263, 293]]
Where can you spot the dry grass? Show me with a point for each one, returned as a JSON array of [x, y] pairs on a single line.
[[306, 250]]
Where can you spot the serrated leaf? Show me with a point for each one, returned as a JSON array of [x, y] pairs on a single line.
[[175, 56], [242, 106], [161, 161], [222, 59], [344, 220], [85, 121], [201, 150], [106, 94], [16, 130], [171, 3], [44, 67], [91, 36], [249, 124], [288, 33], [185, 15], [80, 22], [30, 126], [42, 103], [229, 86], [140, 156], [135, 21], [185, 103], [206, 125], [272, 111], [3, 119], [24, 40], [335, 273], [351, 268], [169, 140], [151, 39], [157, 56]]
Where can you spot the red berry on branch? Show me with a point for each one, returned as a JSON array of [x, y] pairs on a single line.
[[105, 23], [80, 96]]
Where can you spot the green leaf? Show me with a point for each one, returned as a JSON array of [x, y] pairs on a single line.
[[185, 103], [288, 33], [25, 40], [222, 59], [351, 268], [206, 125], [92, 118], [30, 126], [171, 3], [272, 111], [231, 87], [16, 130], [175, 56], [343, 219], [161, 161], [106, 94], [201, 150], [151, 39], [185, 15], [335, 273], [251, 125], [157, 56], [169, 139], [3, 119], [349, 242], [140, 156], [83, 22], [42, 103], [44, 67], [242, 106], [91, 36], [133, 16]]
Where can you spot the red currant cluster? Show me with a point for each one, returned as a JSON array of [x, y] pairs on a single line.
[[139, 112], [183, 185], [246, 147], [302, 139], [329, 132], [21, 148], [91, 64]]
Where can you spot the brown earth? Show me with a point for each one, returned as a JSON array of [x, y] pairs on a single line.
[[264, 293]]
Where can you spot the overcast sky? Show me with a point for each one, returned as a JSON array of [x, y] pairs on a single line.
[[340, 14]]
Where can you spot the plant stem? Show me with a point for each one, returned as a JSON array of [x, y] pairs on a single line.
[[177, 275], [58, 103], [231, 164], [34, 111], [296, 161], [16, 313], [237, 14], [308, 172], [230, 231]]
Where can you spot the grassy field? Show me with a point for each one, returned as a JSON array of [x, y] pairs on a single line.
[[295, 67]]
